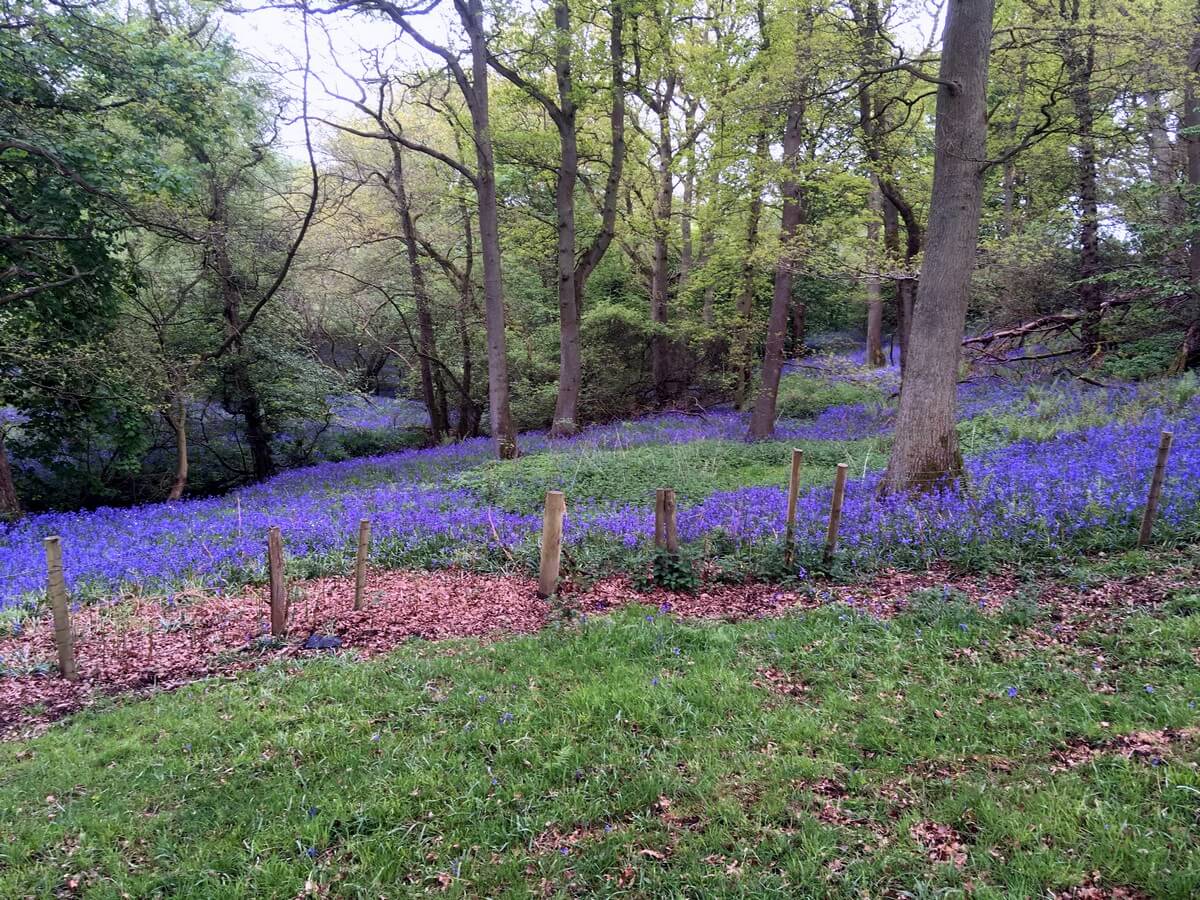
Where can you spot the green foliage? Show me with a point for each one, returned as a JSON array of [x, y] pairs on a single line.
[[671, 571], [1141, 359], [802, 397], [695, 470]]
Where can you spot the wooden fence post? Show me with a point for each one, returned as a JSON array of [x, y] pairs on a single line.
[[1156, 484], [670, 528], [789, 534], [660, 527], [278, 588], [56, 590], [552, 532], [360, 562], [835, 511]]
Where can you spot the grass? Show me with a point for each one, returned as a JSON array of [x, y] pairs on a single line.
[[634, 755], [695, 470], [802, 397]]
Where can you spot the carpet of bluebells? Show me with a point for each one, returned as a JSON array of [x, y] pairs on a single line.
[[1080, 485]]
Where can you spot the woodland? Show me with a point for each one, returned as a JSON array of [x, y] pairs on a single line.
[[539, 218], [641, 448]]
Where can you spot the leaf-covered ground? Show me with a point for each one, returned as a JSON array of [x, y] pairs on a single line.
[[920, 735]]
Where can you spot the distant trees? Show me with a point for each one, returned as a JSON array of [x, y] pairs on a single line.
[[534, 216]]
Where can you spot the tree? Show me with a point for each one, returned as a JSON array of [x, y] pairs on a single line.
[[925, 453], [472, 82], [575, 269], [1189, 351]]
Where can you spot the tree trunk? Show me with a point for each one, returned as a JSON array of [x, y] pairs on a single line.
[[504, 433], [1080, 65], [10, 504], [799, 315], [177, 419], [689, 188], [426, 340], [874, 354], [570, 372], [1008, 179], [744, 351], [905, 287], [762, 419], [925, 452], [1189, 352], [660, 344], [241, 393]]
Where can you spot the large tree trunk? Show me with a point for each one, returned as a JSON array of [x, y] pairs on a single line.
[[504, 433], [762, 419], [874, 355], [426, 340], [570, 371], [1189, 352], [10, 504], [925, 452]]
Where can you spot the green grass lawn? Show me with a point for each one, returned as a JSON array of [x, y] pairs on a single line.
[[695, 470], [635, 755]]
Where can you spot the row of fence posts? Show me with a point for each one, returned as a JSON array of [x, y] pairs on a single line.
[[666, 537]]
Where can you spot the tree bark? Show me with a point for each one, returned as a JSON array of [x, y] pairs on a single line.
[[925, 452], [874, 354], [570, 372], [762, 418], [10, 504], [177, 419]]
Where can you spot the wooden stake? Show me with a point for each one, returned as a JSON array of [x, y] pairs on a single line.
[[360, 562], [670, 529], [552, 531], [789, 534], [1156, 484], [278, 588], [835, 511], [660, 528], [56, 590]]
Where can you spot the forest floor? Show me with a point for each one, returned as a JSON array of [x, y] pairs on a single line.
[[987, 693], [1010, 734]]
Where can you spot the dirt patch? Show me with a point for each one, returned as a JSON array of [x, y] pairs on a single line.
[[1151, 747], [941, 843]]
